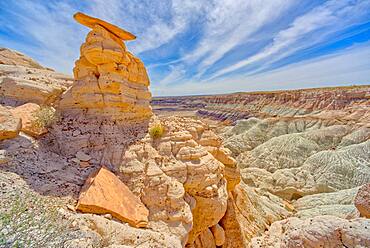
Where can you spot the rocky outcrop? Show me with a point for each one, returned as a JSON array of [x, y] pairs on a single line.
[[11, 57], [23, 80], [320, 231], [250, 212], [249, 134], [362, 200], [107, 107], [292, 150], [314, 164], [183, 175], [104, 193], [10, 126], [183, 185], [109, 81]]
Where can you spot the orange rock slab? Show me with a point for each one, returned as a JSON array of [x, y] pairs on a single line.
[[105, 193], [90, 22]]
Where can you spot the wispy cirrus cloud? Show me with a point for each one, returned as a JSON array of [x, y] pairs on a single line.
[[325, 20], [197, 44], [346, 67]]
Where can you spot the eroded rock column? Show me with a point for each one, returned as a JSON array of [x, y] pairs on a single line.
[[108, 106]]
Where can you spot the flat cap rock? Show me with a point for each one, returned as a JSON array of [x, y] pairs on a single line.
[[90, 22], [105, 193]]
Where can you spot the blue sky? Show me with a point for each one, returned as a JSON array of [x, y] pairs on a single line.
[[213, 46]]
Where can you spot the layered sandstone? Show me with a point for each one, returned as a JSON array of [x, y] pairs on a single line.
[[109, 81], [329, 105], [23, 80], [11, 57], [108, 105]]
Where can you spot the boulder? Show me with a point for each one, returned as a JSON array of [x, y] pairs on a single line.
[[105, 193], [27, 113], [9, 124], [362, 200], [82, 156]]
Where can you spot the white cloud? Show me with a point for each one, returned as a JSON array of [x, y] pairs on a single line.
[[51, 35], [351, 66], [334, 14], [175, 75], [155, 23], [216, 27], [228, 24], [232, 23]]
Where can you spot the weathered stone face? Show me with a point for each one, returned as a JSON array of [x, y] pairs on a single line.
[[109, 81], [108, 105]]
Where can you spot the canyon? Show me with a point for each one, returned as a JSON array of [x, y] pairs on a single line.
[[95, 161]]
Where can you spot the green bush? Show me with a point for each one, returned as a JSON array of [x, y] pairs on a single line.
[[44, 117], [156, 131]]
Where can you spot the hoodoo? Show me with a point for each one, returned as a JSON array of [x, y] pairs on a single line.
[[109, 103], [109, 80]]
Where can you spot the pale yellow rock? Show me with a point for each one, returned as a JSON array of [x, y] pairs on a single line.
[[320, 231], [23, 80], [28, 114], [9, 124], [109, 81], [109, 101], [183, 185], [250, 211]]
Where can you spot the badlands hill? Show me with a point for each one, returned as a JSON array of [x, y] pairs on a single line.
[[85, 162]]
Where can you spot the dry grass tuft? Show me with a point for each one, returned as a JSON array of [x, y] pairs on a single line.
[[156, 131], [44, 117]]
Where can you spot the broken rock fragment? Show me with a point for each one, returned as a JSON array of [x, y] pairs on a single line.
[[27, 113], [105, 193]]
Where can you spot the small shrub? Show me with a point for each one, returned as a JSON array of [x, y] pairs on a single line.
[[156, 131], [44, 117]]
